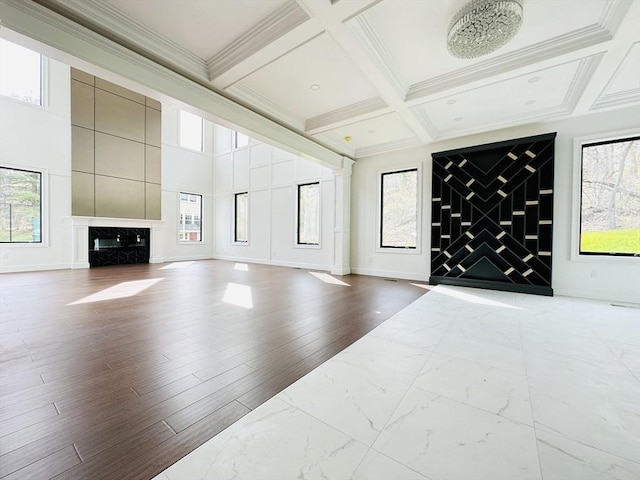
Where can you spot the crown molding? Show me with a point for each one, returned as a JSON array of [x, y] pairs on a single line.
[[85, 46], [275, 25], [262, 103], [361, 109], [613, 14], [620, 98], [387, 147], [363, 29], [584, 71], [135, 33], [524, 57]]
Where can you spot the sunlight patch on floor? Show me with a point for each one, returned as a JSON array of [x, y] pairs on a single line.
[[326, 278], [239, 295], [122, 290]]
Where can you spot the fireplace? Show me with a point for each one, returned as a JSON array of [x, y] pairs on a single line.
[[118, 246], [98, 241]]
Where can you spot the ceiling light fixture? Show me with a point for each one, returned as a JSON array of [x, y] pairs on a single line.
[[482, 26], [529, 102], [315, 86], [533, 79], [451, 102]]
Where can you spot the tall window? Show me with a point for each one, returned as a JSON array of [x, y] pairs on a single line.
[[610, 198], [20, 73], [190, 214], [240, 140], [399, 209], [20, 206], [241, 217], [309, 214], [191, 131]]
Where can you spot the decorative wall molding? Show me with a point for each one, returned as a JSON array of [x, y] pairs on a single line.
[[90, 48], [361, 109], [281, 21], [388, 147], [136, 33], [562, 44]]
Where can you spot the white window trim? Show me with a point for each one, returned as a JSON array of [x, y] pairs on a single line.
[[44, 206], [296, 218], [378, 239], [576, 198], [202, 240], [233, 219]]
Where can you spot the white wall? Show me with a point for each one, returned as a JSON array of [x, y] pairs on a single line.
[[39, 138], [187, 171], [271, 176], [611, 279]]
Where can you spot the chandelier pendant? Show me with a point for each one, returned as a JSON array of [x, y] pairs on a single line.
[[483, 26]]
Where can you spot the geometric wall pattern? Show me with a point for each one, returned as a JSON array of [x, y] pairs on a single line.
[[492, 215]]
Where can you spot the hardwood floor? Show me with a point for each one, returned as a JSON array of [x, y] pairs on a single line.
[[118, 372]]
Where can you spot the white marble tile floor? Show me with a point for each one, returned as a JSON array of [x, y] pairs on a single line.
[[463, 384]]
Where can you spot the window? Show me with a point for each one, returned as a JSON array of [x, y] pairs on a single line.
[[240, 140], [191, 129], [399, 209], [20, 73], [241, 218], [20, 206], [610, 197], [190, 209], [309, 214]]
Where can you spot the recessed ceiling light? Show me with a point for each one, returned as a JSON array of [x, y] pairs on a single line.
[[533, 79], [451, 102], [371, 132], [529, 102], [314, 86], [457, 119], [347, 138]]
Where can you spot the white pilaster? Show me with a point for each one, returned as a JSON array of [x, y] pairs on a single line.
[[342, 225]]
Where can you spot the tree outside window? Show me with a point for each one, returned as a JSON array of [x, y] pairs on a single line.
[[610, 198], [20, 206], [399, 209]]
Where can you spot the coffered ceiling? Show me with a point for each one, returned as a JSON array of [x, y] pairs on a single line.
[[370, 76]]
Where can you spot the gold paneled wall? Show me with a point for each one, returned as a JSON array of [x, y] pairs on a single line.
[[115, 150]]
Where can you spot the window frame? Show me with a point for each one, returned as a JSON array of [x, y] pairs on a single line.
[[42, 79], [298, 211], [44, 208], [201, 150], [379, 248], [235, 240], [235, 140], [576, 220], [182, 218]]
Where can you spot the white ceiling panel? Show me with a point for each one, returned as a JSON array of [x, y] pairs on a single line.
[[414, 33], [373, 131], [287, 82], [544, 92], [203, 27]]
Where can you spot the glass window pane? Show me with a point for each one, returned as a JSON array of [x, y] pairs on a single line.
[[190, 209], [399, 215], [190, 131], [241, 217], [20, 73], [309, 214], [610, 198], [20, 206], [241, 140]]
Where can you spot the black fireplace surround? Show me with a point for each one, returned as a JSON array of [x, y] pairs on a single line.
[[118, 246]]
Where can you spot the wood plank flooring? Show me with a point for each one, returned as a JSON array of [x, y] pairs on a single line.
[[118, 372]]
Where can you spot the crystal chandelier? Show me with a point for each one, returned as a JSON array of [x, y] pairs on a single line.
[[482, 26]]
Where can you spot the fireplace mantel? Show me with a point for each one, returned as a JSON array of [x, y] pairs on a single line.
[[80, 237]]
